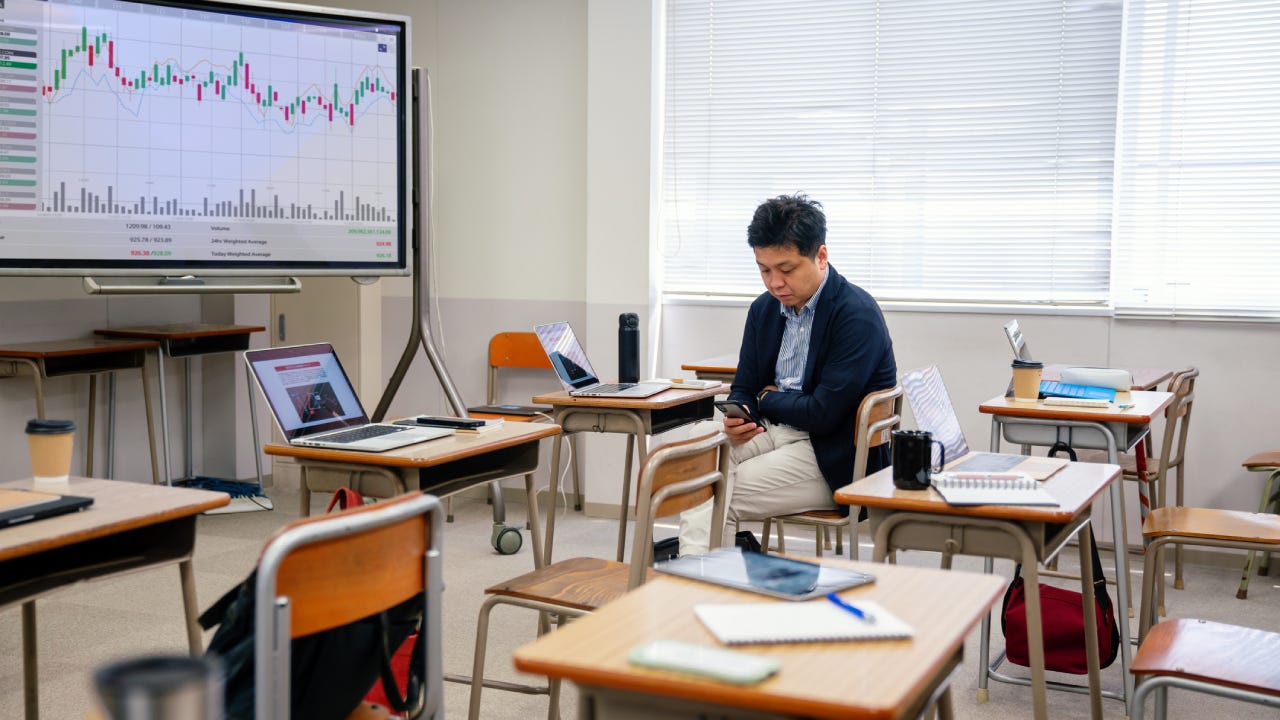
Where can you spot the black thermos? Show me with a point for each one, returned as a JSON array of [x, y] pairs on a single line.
[[628, 348]]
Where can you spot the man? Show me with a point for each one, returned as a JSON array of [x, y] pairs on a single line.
[[814, 345]]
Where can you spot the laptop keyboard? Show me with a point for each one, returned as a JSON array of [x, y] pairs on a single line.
[[362, 433], [613, 388]]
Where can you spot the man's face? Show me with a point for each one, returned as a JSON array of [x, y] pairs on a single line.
[[789, 276]]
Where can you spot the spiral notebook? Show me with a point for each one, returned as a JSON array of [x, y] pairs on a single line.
[[990, 489], [792, 622]]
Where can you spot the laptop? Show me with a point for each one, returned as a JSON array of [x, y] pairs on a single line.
[[931, 405], [1016, 341], [315, 406], [575, 372], [23, 506]]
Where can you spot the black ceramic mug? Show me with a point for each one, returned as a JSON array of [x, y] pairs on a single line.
[[912, 456]]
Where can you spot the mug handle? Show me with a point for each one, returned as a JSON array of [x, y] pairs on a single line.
[[942, 454]]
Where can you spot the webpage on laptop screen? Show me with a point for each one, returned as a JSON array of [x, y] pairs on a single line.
[[307, 390]]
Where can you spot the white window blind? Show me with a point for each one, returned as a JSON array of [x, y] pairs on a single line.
[[1198, 160], [962, 150]]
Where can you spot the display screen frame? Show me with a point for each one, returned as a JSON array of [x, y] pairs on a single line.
[[240, 261]]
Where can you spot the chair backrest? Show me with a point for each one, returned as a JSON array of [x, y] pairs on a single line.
[[878, 414], [1177, 420], [320, 573], [513, 350], [674, 478]]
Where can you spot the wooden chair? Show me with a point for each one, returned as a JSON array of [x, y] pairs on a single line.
[[1205, 527], [1207, 657], [673, 478], [1267, 462], [320, 573], [878, 414], [523, 351]]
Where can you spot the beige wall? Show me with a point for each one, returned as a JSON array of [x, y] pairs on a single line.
[[543, 167]]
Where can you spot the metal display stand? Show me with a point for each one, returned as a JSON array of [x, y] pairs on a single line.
[[505, 539]]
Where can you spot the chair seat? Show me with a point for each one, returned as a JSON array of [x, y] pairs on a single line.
[[818, 517], [1263, 461], [1212, 523], [579, 583], [1218, 653]]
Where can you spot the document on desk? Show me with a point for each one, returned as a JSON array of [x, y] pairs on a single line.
[[811, 621], [959, 488]]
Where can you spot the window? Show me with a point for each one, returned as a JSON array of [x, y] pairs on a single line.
[[1198, 160], [962, 150]]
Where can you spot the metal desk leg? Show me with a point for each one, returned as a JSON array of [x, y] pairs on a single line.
[[555, 493], [253, 424], [535, 522], [188, 466], [151, 428], [30, 671], [639, 441], [1092, 660], [89, 433], [164, 416], [984, 641], [191, 610], [110, 469]]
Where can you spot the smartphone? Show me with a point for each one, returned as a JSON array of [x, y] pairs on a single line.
[[733, 408]]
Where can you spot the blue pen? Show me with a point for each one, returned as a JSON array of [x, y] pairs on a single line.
[[851, 609]]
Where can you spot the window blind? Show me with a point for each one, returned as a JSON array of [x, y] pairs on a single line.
[[962, 150], [1198, 160]]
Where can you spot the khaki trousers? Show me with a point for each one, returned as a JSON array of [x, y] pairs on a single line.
[[775, 473]]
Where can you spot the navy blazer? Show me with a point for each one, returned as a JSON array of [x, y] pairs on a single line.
[[850, 356]]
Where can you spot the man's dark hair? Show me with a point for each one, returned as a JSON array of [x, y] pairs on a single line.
[[789, 220]]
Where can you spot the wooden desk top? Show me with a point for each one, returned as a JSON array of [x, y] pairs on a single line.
[[1146, 405], [665, 399], [118, 506], [721, 364], [430, 453], [179, 331], [76, 346], [1074, 487], [869, 679]]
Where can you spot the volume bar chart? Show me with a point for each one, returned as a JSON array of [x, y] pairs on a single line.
[[84, 202], [19, 132]]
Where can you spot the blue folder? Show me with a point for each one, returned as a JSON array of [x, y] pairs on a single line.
[[1053, 388]]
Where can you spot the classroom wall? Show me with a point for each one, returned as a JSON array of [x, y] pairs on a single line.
[[543, 158]]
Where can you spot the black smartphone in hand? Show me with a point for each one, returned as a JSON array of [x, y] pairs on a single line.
[[735, 409]]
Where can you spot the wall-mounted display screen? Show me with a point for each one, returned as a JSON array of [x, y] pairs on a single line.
[[146, 138]]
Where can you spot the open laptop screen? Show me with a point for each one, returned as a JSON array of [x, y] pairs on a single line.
[[566, 355], [307, 389]]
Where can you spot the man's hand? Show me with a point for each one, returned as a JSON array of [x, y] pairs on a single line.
[[739, 430]]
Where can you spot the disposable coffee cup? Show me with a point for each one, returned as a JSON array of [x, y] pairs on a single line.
[[161, 688], [1026, 380], [50, 442]]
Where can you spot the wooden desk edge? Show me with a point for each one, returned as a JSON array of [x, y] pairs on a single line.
[[390, 458], [929, 501], [178, 331], [197, 505], [687, 687], [671, 397]]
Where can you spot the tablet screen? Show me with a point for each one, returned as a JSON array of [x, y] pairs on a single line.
[[771, 575]]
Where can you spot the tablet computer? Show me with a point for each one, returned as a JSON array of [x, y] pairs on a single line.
[[772, 575]]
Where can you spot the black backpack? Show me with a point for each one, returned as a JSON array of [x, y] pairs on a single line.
[[331, 671]]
